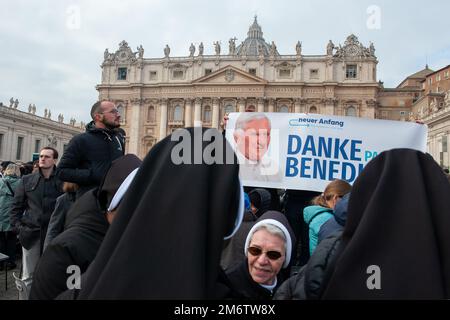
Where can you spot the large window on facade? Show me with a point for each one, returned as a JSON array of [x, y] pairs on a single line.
[[121, 110], [19, 148], [151, 114], [284, 73], [178, 74], [350, 71], [122, 74], [314, 73], [207, 114], [250, 108], [229, 108], [37, 145], [177, 113], [350, 111], [284, 109], [313, 109]]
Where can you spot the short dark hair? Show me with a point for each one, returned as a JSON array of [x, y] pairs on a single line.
[[95, 109], [55, 152], [5, 164]]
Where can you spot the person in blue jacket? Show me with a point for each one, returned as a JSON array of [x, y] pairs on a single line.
[[321, 209]]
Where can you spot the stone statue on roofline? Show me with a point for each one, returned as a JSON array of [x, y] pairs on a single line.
[[330, 48], [298, 48], [167, 51], [217, 47]]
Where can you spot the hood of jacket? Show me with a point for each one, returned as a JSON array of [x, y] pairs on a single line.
[[311, 211], [11, 179], [90, 127], [340, 210]]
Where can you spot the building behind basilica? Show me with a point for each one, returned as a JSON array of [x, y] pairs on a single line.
[[23, 133]]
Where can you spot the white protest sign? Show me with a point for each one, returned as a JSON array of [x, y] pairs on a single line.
[[307, 151]]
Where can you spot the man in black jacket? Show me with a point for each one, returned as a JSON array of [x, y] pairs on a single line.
[[89, 155], [34, 201]]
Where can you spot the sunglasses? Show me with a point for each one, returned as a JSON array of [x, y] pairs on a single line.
[[272, 255]]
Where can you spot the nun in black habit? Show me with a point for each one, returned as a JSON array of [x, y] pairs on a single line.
[[396, 242], [168, 233]]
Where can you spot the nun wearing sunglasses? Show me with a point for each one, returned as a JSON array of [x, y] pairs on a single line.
[[268, 249]]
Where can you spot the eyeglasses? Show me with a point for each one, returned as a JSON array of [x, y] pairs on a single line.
[[113, 111], [272, 255]]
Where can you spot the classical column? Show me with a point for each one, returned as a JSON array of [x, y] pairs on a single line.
[[448, 155], [260, 104], [188, 113], [271, 105], [11, 143], [329, 70], [198, 112], [215, 113], [303, 105], [297, 106], [370, 108], [163, 119], [329, 106], [134, 124], [241, 103]]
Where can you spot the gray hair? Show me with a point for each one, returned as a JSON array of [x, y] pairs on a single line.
[[273, 230], [249, 116]]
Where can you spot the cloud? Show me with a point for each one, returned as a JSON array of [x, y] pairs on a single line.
[[52, 50]]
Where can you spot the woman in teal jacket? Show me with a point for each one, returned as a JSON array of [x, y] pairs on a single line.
[[322, 209], [8, 237]]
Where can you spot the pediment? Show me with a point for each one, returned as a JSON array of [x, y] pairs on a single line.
[[229, 75]]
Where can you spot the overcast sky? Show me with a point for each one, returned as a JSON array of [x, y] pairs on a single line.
[[52, 50]]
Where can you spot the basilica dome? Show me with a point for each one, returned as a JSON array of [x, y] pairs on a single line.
[[255, 43]]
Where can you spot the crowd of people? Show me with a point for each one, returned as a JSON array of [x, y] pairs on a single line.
[[153, 229]]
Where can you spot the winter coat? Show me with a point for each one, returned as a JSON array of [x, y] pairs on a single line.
[[315, 217], [311, 280], [243, 286], [58, 218], [89, 155], [336, 223], [34, 202], [6, 200], [77, 245]]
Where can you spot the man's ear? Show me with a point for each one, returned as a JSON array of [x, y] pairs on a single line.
[[97, 117]]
